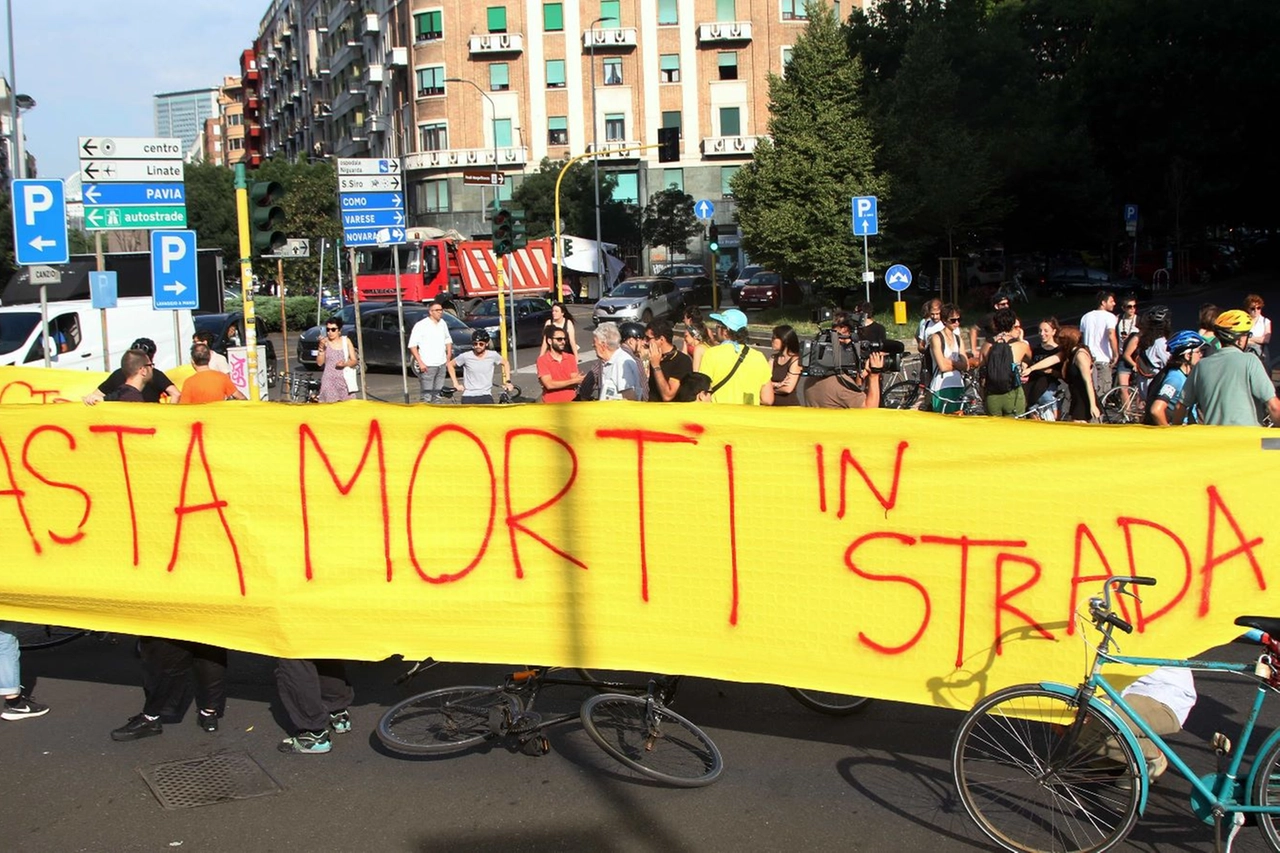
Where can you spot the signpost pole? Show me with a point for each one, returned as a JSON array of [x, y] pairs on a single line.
[[284, 332], [246, 279], [355, 300], [866, 269], [44, 322], [320, 289], [106, 349], [404, 349]]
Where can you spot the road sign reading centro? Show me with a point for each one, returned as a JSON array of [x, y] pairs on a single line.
[[111, 218], [130, 148], [483, 179]]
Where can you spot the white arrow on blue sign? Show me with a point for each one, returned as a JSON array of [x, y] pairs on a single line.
[[174, 276], [898, 277], [704, 209], [39, 222], [865, 216], [116, 194]]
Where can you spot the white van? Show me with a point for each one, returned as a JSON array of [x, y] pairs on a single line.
[[75, 332]]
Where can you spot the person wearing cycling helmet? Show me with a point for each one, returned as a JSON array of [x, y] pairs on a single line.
[[634, 343], [1229, 387], [1165, 389], [478, 367], [157, 386]]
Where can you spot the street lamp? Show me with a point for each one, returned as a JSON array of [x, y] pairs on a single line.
[[493, 111], [595, 150]]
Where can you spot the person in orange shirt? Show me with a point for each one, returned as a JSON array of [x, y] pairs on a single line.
[[207, 385]]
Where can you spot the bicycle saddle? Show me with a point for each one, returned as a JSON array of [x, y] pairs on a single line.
[[1269, 624]]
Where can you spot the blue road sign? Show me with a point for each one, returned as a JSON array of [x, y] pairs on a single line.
[[371, 201], [174, 278], [372, 236], [898, 277], [39, 222], [865, 216], [1131, 213], [372, 218], [704, 209], [107, 195], [102, 289]]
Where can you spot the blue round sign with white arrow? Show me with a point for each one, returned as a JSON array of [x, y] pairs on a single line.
[[898, 277]]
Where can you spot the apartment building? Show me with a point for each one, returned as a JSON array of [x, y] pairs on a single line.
[[223, 140], [182, 115]]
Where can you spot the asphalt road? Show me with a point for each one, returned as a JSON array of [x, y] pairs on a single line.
[[794, 780]]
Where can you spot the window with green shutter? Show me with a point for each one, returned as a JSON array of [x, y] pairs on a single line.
[[555, 73], [499, 77], [429, 25], [667, 13], [558, 130], [672, 119], [615, 127], [611, 10], [669, 68], [673, 179], [497, 19], [627, 189], [729, 122], [726, 176], [728, 64], [502, 132], [725, 10], [553, 17]]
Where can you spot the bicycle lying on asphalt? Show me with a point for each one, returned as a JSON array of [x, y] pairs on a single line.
[[1030, 772], [640, 731], [33, 638]]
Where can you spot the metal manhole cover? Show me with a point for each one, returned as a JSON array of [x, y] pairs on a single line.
[[209, 779]]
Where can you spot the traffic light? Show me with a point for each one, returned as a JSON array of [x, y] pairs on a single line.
[[519, 231], [503, 231], [668, 144], [713, 236], [266, 217]]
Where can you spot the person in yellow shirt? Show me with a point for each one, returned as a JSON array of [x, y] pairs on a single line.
[[739, 374]]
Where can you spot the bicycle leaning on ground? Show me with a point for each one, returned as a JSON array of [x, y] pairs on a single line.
[[1029, 769], [640, 731]]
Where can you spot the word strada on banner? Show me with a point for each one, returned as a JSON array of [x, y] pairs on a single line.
[[709, 540]]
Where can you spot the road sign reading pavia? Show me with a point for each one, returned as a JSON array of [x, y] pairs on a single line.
[[132, 182], [898, 277], [483, 179], [39, 222], [174, 276], [866, 220], [372, 208]]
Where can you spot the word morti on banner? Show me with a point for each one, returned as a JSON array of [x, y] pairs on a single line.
[[371, 201], [132, 182]]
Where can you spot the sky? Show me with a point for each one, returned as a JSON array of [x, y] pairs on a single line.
[[93, 67]]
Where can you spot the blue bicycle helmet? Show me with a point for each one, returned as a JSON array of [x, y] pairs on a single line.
[[1185, 341]]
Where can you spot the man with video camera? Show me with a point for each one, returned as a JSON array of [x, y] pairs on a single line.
[[845, 373]]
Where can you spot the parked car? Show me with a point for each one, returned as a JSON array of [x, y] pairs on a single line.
[[531, 313], [639, 299], [380, 329], [770, 290], [1060, 280], [692, 281], [984, 269], [743, 279], [219, 325], [309, 340]]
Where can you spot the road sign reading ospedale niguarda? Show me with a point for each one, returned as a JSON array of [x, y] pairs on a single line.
[[370, 201], [132, 182]]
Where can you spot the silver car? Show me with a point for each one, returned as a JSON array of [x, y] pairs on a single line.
[[640, 300]]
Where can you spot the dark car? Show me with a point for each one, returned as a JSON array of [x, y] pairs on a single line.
[[770, 290], [219, 325], [1061, 279], [691, 280], [380, 330], [309, 340], [743, 279], [531, 313]]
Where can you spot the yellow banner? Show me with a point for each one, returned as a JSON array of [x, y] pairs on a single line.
[[893, 554]]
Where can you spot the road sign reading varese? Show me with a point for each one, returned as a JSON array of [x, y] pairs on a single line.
[[132, 182]]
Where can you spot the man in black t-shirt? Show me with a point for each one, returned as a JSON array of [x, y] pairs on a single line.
[[157, 383], [870, 330], [668, 367]]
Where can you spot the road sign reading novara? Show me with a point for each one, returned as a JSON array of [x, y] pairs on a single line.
[[132, 182]]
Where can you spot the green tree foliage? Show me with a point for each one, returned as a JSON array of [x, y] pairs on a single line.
[[793, 199], [669, 221], [211, 209], [537, 196], [311, 212]]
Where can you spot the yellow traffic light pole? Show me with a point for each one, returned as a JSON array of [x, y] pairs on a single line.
[[559, 247], [246, 279]]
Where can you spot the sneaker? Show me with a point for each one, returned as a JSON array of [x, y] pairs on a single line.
[[340, 722], [138, 727], [208, 720], [306, 743], [1156, 767], [22, 708]]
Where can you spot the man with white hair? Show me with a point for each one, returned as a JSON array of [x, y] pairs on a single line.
[[619, 375]]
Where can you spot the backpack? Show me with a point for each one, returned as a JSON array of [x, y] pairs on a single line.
[[1002, 374]]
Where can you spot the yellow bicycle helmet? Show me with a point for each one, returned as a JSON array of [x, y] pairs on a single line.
[[1234, 322]]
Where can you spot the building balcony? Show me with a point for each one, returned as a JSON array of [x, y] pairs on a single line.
[[338, 14], [371, 23], [465, 158], [374, 75], [729, 146], [613, 38], [377, 124], [346, 101], [497, 43], [397, 57], [613, 149], [724, 31]]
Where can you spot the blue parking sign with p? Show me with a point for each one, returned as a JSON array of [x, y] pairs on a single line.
[[39, 222], [865, 216]]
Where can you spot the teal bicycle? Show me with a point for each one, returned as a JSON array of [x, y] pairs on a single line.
[[1027, 759]]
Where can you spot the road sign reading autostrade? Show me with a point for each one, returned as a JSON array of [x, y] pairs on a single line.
[[132, 182], [371, 206]]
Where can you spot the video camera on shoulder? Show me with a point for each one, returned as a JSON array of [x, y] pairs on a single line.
[[839, 351]]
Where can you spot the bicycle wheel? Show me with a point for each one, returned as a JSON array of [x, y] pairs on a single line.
[[447, 720], [1031, 788], [35, 637], [903, 394], [1117, 405], [834, 704], [652, 739], [1266, 792]]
